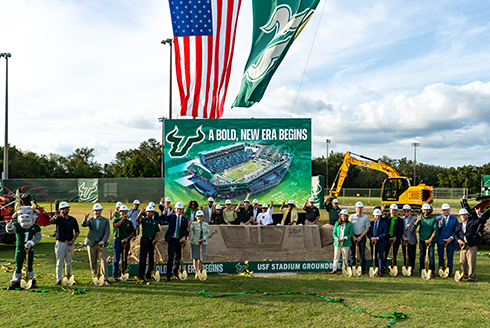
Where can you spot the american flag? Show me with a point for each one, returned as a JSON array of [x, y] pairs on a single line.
[[204, 39]]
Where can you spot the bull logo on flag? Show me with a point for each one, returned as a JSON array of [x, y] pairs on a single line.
[[179, 147]]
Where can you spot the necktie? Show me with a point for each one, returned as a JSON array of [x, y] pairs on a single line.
[[445, 221], [178, 226], [376, 228]]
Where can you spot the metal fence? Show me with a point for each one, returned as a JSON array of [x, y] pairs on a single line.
[[372, 197]]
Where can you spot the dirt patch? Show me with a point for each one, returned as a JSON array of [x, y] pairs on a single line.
[[326, 235]]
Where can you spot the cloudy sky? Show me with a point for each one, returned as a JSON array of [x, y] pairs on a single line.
[[382, 74]]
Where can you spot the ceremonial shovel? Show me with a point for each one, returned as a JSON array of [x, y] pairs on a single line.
[[426, 273], [124, 271], [68, 278], [201, 274], [346, 270], [393, 268], [155, 274], [356, 271], [406, 270], [444, 271], [373, 271], [99, 279], [459, 274], [182, 273], [26, 282]]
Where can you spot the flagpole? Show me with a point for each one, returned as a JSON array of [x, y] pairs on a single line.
[[169, 42]]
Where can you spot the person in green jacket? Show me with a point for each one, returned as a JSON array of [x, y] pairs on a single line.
[[200, 234], [342, 234], [427, 236]]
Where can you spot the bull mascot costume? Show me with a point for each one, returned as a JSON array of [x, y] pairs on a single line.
[[28, 234]]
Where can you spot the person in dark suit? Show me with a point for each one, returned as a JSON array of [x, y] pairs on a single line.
[[466, 234], [175, 236], [378, 233], [395, 230], [409, 236], [445, 235]]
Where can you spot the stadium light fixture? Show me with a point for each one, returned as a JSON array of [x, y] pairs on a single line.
[[5, 174], [169, 42], [415, 145], [326, 177]]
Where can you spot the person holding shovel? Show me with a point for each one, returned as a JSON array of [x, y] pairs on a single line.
[[342, 234], [199, 240], [466, 235], [149, 236], [427, 236], [123, 232]]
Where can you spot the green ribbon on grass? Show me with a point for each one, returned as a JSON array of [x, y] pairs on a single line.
[[62, 289], [394, 315]]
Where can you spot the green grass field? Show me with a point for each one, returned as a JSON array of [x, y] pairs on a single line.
[[239, 172], [434, 303]]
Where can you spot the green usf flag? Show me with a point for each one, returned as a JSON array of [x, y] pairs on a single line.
[[88, 190], [317, 190], [277, 23]]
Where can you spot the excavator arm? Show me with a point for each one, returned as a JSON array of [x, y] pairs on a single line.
[[368, 163]]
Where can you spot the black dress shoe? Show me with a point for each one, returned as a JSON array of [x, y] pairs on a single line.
[[14, 286], [33, 284], [58, 283]]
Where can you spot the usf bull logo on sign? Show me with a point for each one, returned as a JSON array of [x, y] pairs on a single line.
[[88, 190], [180, 145]]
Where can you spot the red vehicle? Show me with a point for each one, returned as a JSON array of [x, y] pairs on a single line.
[[7, 203]]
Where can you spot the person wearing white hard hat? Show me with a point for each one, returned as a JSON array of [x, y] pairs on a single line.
[[395, 230], [289, 215], [377, 234], [409, 235], [209, 210], [229, 214], [245, 213], [427, 236], [198, 240], [97, 236], [165, 208], [361, 225], [175, 236], [123, 232], [446, 224], [312, 212], [218, 215], [332, 209], [149, 238], [342, 235], [255, 210], [133, 214], [467, 237], [67, 232], [265, 218]]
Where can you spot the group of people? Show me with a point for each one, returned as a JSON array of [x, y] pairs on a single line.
[[387, 233]]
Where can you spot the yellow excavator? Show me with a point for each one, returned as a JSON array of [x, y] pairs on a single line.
[[395, 190]]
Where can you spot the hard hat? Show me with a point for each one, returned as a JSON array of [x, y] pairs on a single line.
[[291, 202], [64, 205], [118, 204], [265, 205], [210, 199], [337, 201], [463, 211], [246, 201], [179, 205], [445, 206], [255, 201], [218, 207], [426, 206], [393, 207], [200, 213], [311, 200], [150, 209], [97, 207], [407, 207], [377, 211], [136, 202], [344, 212], [151, 204], [359, 204], [123, 208], [168, 199], [227, 202]]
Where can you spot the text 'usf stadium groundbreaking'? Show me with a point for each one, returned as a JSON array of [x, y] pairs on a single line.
[[236, 169]]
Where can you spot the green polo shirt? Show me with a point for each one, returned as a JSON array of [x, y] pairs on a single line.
[[20, 234], [245, 215], [150, 227], [124, 229], [333, 213], [428, 226], [117, 215]]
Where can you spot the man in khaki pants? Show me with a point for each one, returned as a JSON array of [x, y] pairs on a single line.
[[98, 234], [466, 235]]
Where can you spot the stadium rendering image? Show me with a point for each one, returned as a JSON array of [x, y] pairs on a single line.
[[238, 169]]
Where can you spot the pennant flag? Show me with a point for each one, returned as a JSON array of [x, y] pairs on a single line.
[[204, 39], [277, 23]]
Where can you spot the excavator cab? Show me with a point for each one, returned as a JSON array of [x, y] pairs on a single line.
[[393, 188]]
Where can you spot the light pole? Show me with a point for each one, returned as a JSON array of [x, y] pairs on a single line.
[[169, 42], [5, 174], [415, 145], [326, 177], [162, 120]]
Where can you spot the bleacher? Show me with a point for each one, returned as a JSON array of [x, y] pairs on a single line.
[[225, 158]]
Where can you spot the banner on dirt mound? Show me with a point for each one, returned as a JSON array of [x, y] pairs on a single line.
[[229, 158]]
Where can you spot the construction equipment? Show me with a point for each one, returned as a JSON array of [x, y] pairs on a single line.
[[396, 189]]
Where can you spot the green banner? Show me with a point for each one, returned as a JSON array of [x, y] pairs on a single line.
[[317, 190], [277, 23], [486, 185], [88, 190], [229, 158]]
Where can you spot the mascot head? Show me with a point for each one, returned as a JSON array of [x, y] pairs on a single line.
[[26, 215]]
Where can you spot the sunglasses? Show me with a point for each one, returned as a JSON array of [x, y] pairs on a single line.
[[406, 210]]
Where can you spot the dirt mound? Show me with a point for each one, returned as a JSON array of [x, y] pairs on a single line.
[[326, 234]]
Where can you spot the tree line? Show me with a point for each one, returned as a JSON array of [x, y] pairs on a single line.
[[145, 162]]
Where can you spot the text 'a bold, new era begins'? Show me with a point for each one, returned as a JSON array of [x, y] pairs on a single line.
[[258, 134]]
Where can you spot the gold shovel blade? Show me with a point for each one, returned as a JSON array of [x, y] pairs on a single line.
[[155, 275], [71, 280], [98, 280], [202, 275], [65, 281], [23, 283], [443, 272], [373, 272], [347, 272], [125, 275], [182, 274], [393, 271], [426, 274], [458, 276], [356, 271], [407, 271]]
